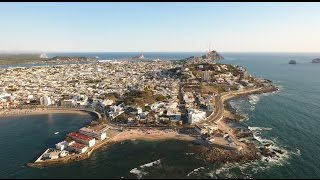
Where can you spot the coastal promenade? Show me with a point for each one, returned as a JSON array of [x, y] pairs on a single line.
[[220, 113]]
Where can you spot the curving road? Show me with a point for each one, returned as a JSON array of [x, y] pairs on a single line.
[[219, 111]]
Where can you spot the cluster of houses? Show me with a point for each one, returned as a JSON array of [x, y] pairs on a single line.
[[77, 84], [161, 112]]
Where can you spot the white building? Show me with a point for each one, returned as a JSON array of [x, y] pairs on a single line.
[[68, 102], [62, 145], [100, 135], [45, 100], [81, 138], [195, 115], [115, 111], [206, 75], [188, 97]]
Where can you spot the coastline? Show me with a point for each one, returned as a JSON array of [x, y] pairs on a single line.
[[215, 153], [118, 137], [38, 111], [248, 152]]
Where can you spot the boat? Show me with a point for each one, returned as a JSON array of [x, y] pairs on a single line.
[[96, 57], [56, 132]]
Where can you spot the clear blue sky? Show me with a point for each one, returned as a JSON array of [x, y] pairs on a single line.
[[142, 27]]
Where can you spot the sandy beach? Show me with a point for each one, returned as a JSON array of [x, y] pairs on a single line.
[[150, 135], [36, 111]]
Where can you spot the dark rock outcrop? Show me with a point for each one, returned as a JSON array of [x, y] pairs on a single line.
[[138, 57], [292, 62], [317, 60]]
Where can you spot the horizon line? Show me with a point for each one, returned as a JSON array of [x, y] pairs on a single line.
[[141, 52]]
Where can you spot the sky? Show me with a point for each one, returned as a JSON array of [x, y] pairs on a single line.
[[160, 27]]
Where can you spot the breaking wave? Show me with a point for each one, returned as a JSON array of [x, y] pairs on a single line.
[[258, 128], [195, 171], [253, 99], [151, 163], [237, 105], [140, 170], [280, 157], [138, 173]]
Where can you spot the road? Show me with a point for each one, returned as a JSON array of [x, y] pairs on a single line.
[[219, 99]]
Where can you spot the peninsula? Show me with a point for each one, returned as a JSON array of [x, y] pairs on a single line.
[[149, 100], [14, 59]]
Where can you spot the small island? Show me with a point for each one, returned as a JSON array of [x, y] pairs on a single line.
[[292, 62], [139, 57], [317, 60]]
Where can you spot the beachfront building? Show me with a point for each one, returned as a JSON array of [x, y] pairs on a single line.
[[100, 135], [81, 138], [206, 129], [200, 129], [77, 147], [62, 145], [45, 100], [174, 114], [68, 102], [195, 115]]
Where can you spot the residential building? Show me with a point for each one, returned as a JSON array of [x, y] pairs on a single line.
[[100, 135]]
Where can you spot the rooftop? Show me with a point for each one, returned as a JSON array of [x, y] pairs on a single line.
[[80, 136], [77, 145]]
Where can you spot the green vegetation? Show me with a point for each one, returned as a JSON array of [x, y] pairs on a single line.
[[93, 81], [141, 98], [111, 96], [8, 59]]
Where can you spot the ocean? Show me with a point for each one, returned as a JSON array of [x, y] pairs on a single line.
[[288, 120]]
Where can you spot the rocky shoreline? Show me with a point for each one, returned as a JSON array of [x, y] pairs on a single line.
[[216, 154]]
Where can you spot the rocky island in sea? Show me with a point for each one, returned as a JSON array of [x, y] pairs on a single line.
[[185, 100], [292, 62], [139, 57], [317, 60]]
